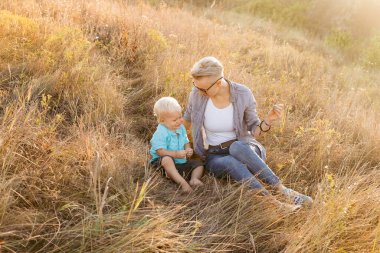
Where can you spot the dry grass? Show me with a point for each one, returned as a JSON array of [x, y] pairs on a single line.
[[77, 84]]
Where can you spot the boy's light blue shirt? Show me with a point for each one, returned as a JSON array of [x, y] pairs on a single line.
[[169, 140]]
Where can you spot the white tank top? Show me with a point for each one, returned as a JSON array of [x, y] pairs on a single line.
[[218, 124]]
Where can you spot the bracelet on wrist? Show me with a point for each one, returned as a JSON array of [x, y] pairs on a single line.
[[263, 121]]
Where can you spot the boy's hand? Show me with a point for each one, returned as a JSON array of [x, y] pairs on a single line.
[[189, 152], [180, 154]]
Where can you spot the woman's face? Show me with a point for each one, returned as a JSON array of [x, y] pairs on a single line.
[[208, 85]]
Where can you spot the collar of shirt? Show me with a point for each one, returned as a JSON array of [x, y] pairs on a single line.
[[177, 131], [232, 91]]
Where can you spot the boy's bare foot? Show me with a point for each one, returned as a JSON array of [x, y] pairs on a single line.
[[196, 182], [186, 188]]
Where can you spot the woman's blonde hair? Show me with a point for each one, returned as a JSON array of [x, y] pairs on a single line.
[[166, 104], [207, 66]]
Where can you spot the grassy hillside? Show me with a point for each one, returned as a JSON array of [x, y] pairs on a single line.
[[77, 83], [350, 28]]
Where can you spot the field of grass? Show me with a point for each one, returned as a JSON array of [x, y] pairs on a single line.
[[350, 28], [78, 79]]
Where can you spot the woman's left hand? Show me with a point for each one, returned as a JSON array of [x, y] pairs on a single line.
[[275, 113]]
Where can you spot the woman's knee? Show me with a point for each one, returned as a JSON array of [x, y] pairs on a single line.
[[238, 147], [241, 147]]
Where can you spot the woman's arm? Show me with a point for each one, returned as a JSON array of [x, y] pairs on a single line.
[[265, 125], [250, 114], [187, 125], [187, 114]]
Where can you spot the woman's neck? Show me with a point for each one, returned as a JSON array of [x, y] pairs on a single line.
[[224, 91]]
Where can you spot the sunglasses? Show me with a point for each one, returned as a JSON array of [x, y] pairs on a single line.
[[205, 90]]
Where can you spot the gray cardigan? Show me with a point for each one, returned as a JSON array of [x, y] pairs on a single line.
[[245, 116]]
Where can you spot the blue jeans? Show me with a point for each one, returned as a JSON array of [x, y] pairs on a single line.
[[243, 163]]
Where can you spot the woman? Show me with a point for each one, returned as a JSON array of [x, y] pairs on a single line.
[[222, 114]]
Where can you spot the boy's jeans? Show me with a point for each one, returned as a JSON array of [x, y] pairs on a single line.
[[243, 164]]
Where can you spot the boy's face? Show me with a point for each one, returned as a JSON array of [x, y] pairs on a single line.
[[172, 120]]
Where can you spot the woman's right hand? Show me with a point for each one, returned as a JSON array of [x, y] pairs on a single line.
[[274, 113]]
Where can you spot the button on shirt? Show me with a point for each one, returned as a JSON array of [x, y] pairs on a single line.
[[169, 140]]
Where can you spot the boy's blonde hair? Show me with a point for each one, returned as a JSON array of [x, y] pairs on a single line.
[[166, 104]]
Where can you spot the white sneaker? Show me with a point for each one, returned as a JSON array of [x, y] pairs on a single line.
[[296, 197]]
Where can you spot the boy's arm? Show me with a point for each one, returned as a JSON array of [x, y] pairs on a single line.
[[189, 150], [175, 154], [159, 144]]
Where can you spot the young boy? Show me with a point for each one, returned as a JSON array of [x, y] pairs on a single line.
[[170, 146]]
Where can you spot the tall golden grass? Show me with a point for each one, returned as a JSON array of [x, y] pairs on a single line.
[[349, 28], [77, 84]]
